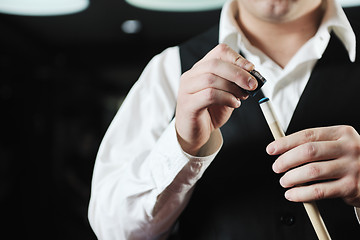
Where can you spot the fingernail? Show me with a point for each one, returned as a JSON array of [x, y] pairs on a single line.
[[288, 196], [252, 83], [238, 102], [275, 168], [249, 66], [281, 181], [270, 149]]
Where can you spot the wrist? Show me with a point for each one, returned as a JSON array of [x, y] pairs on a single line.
[[187, 147]]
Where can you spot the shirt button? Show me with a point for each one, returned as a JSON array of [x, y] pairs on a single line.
[[288, 220]]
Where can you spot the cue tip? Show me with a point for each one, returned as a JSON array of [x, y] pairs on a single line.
[[265, 99]]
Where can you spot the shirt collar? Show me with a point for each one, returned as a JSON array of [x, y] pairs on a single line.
[[334, 20]]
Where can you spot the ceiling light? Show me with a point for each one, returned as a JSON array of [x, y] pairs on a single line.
[[42, 7], [131, 26], [199, 5], [178, 5], [349, 3]]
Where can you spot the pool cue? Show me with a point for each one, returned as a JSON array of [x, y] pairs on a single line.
[[310, 207]]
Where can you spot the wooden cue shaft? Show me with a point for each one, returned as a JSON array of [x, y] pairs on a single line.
[[310, 207]]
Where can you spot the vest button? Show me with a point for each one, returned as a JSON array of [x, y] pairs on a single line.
[[288, 220]]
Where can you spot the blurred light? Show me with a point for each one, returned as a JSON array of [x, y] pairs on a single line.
[[178, 5], [199, 5], [349, 3], [131, 26], [42, 7]]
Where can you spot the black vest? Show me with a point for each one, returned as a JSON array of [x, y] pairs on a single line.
[[239, 196]]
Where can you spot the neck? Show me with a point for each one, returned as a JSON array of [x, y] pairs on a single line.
[[280, 40]]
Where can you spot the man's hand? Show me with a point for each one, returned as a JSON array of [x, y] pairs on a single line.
[[319, 163], [208, 94]]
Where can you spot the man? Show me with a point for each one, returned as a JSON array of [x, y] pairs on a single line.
[[156, 173]]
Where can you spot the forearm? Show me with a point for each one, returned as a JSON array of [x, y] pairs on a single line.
[[144, 200], [171, 202]]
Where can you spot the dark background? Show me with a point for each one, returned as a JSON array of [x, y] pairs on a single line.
[[62, 79]]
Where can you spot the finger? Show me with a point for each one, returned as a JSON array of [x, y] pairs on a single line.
[[341, 188], [308, 152], [227, 54], [317, 171], [283, 144], [225, 70], [210, 80], [211, 96]]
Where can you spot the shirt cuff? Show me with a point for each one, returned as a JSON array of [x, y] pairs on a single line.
[[168, 159], [199, 163]]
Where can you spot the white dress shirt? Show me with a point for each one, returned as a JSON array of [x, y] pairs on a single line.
[[140, 159]]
